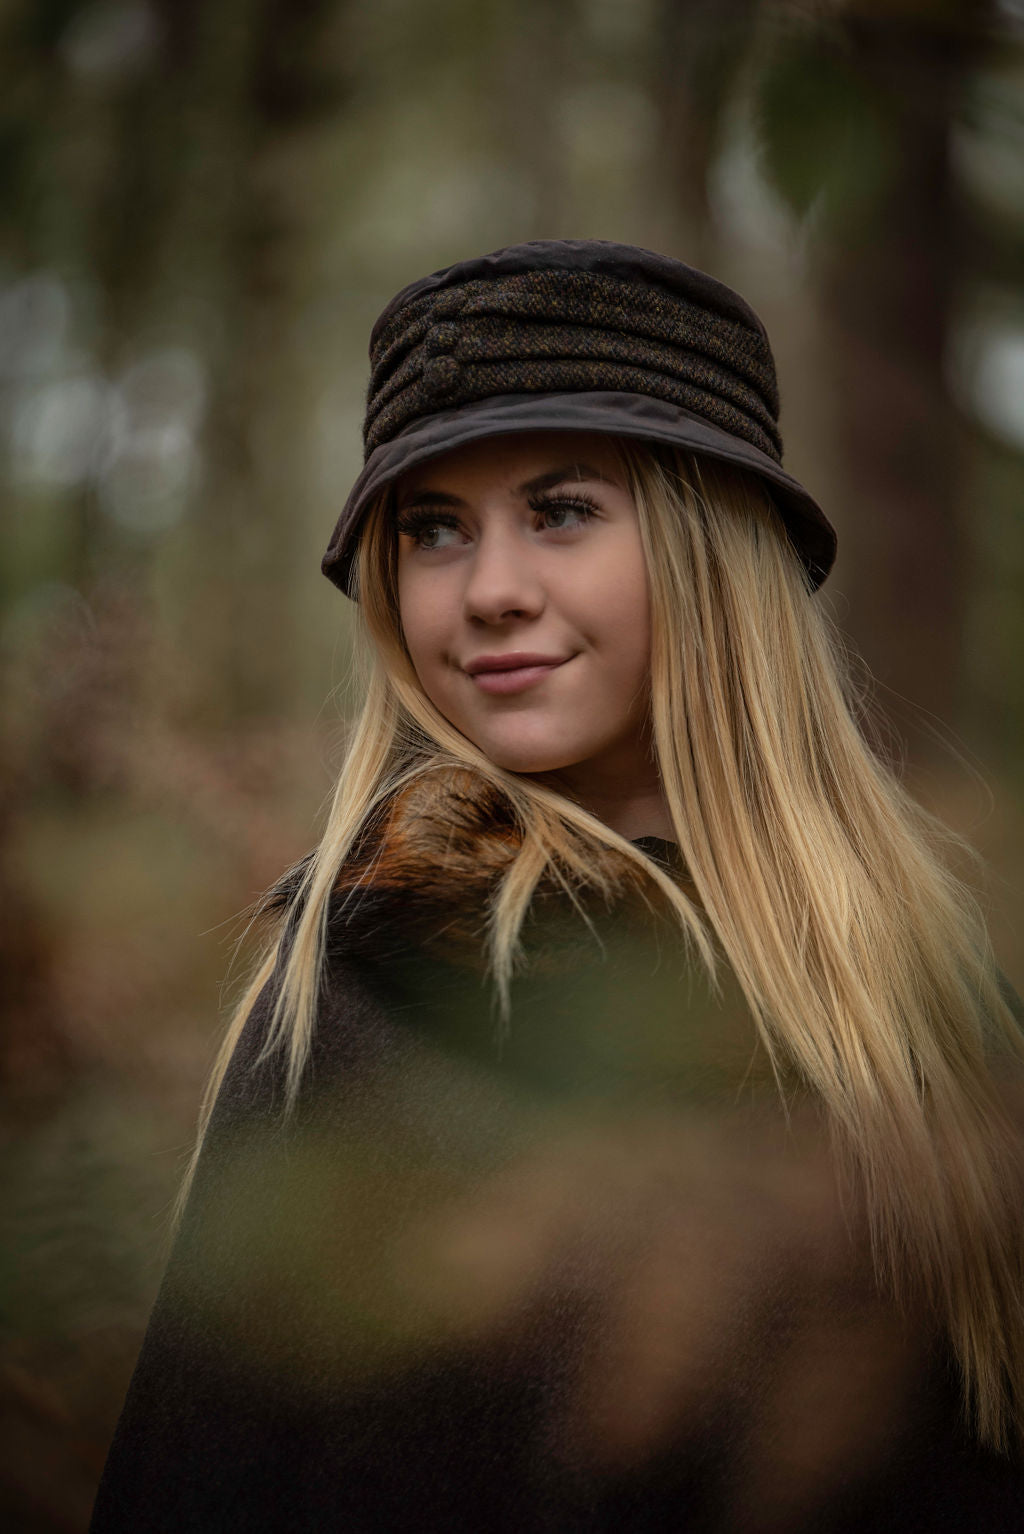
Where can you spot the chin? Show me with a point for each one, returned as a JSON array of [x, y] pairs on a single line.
[[531, 760], [530, 763]]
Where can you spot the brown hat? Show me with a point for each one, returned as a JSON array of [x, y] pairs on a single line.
[[573, 335]]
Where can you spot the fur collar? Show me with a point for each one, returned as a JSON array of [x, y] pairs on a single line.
[[424, 873]]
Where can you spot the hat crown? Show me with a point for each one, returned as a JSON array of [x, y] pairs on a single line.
[[572, 316], [631, 262]]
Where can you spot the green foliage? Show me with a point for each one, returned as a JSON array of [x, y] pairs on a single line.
[[828, 140]]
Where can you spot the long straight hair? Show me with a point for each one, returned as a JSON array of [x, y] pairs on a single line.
[[864, 962]]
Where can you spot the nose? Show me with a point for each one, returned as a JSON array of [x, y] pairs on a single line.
[[503, 581]]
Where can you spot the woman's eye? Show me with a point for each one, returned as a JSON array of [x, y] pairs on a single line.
[[435, 536], [428, 533], [564, 513]]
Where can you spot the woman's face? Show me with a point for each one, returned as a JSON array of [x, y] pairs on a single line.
[[524, 602]]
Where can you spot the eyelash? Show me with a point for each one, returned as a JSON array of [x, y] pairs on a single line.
[[414, 523], [578, 501]]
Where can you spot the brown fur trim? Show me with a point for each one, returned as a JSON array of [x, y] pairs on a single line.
[[426, 872]]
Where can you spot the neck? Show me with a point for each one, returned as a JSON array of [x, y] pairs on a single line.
[[635, 815], [633, 803]]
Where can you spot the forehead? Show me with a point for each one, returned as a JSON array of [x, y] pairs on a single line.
[[506, 461]]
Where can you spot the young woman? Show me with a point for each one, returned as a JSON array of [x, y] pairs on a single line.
[[621, 1131]]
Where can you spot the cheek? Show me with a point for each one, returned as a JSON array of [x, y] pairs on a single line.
[[615, 610], [423, 624]]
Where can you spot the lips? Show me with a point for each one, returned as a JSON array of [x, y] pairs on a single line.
[[512, 672]]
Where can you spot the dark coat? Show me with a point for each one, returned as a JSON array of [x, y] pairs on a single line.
[[576, 1275]]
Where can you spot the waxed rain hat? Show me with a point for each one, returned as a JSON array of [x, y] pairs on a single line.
[[573, 335]]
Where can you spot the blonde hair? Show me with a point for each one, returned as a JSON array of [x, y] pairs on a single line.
[[863, 960]]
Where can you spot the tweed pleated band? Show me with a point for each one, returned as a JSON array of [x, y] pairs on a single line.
[[555, 332], [578, 335]]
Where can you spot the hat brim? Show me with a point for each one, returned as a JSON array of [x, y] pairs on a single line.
[[618, 415]]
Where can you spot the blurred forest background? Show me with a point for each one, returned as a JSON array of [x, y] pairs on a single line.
[[203, 206]]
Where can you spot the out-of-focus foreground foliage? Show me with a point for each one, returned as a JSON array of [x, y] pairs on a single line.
[[202, 209]]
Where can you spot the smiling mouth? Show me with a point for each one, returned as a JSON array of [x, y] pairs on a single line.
[[496, 678]]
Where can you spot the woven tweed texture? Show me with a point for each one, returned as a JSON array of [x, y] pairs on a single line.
[[558, 331]]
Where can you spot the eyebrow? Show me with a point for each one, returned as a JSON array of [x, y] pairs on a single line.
[[571, 471]]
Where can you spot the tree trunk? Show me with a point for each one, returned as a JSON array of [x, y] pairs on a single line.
[[888, 286]]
